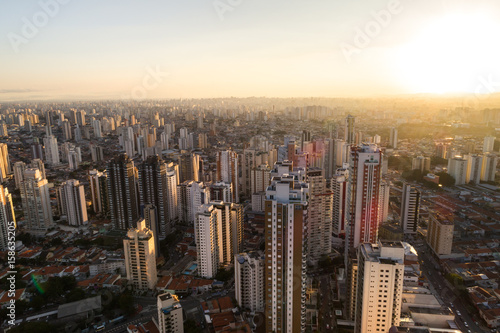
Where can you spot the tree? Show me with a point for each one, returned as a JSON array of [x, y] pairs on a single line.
[[191, 327], [446, 179], [126, 302]]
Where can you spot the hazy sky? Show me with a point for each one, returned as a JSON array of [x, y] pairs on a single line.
[[108, 49]]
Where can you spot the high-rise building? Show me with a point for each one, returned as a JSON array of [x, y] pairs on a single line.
[[99, 192], [97, 153], [237, 221], [191, 196], [7, 218], [249, 280], [421, 163], [349, 134], [36, 149], [474, 168], [410, 209], [73, 204], [206, 238], [319, 241], [36, 200], [96, 125], [457, 168], [202, 141], [260, 177], [153, 189], [189, 167], [172, 182], [170, 318], [5, 168], [440, 234], [363, 195], [441, 150], [73, 159], [489, 144], [140, 257], [338, 186], [19, 168], [66, 129], [247, 165], [489, 168], [379, 286], [385, 191], [122, 194], [227, 171], [38, 164], [393, 138], [80, 118], [150, 214], [51, 150], [221, 192], [286, 254]]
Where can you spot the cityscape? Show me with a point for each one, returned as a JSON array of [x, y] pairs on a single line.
[[221, 179]]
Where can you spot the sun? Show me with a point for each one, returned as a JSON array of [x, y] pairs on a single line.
[[451, 55]]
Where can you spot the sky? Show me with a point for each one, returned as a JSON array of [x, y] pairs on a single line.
[[124, 49]]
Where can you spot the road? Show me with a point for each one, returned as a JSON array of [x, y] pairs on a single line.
[[444, 291], [327, 317]]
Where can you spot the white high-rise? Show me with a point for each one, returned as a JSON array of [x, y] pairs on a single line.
[[227, 170], [489, 143], [7, 217], [36, 200], [379, 286], [457, 168], [5, 168], [385, 190], [170, 318], [51, 150], [73, 204], [474, 168], [393, 138], [140, 257], [206, 238], [489, 167], [249, 280]]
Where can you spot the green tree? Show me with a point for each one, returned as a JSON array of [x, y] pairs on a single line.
[[126, 302], [191, 327], [446, 179]]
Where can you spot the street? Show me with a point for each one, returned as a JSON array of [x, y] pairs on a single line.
[[445, 293], [327, 317]]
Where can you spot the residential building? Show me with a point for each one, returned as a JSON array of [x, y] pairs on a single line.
[[36, 200], [122, 193], [379, 286], [73, 204], [7, 219], [286, 213], [410, 209], [170, 317], [140, 257], [440, 234]]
